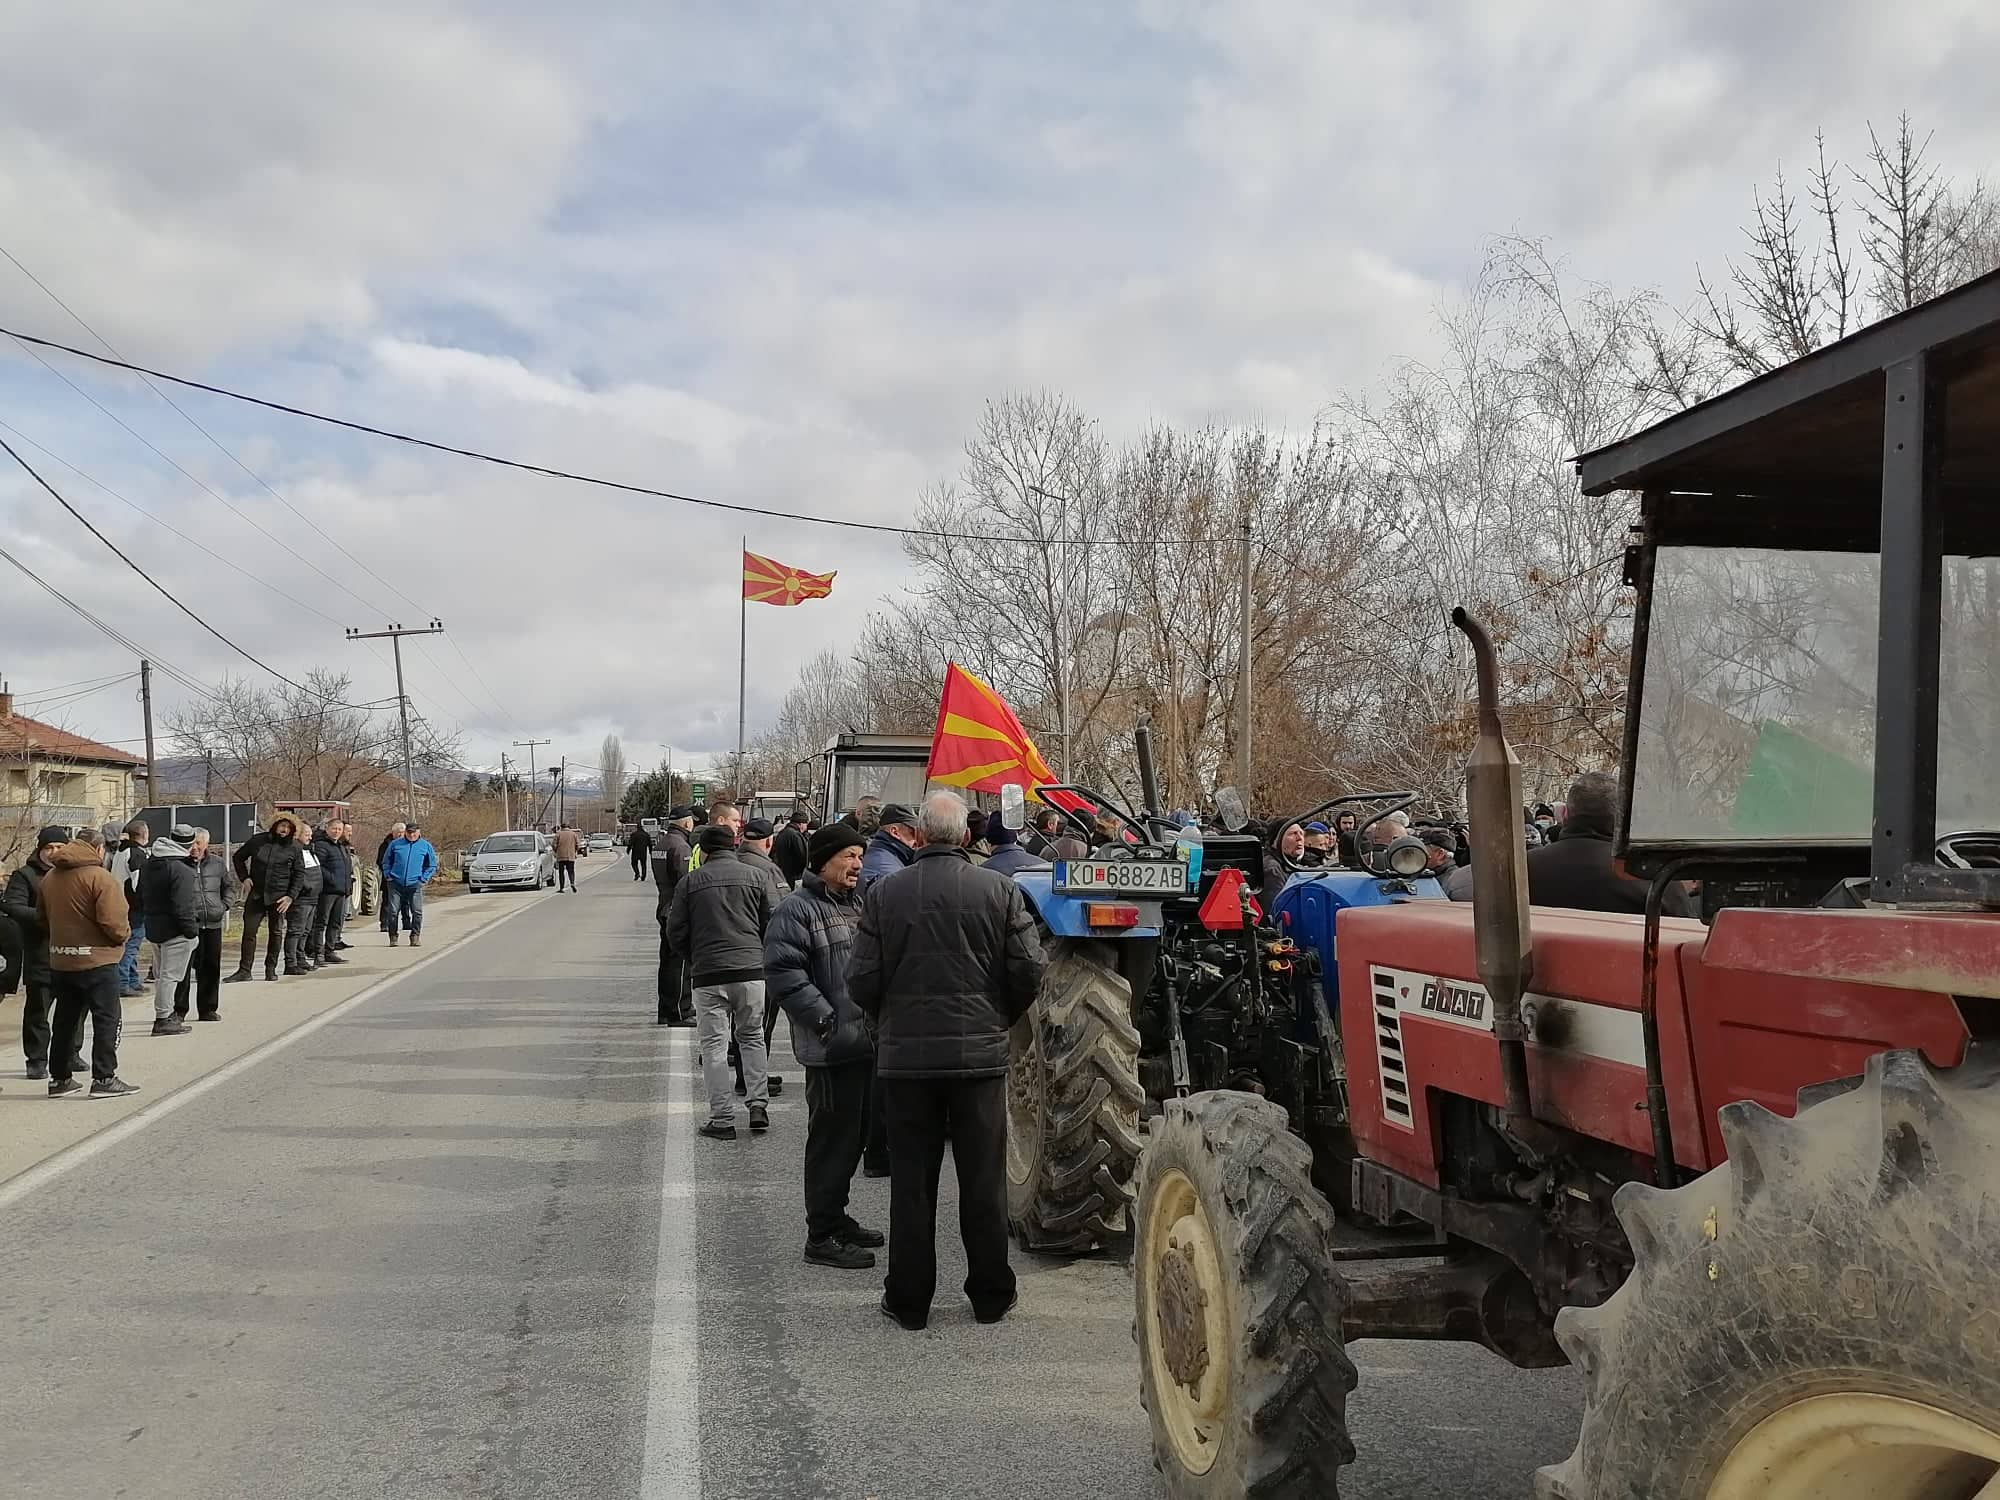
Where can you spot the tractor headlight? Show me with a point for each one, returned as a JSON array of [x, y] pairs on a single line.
[[1406, 857]]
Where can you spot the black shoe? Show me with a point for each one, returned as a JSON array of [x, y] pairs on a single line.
[[343, 943], [874, 1169], [681, 1021], [898, 1319], [37, 1071], [994, 1315], [216, 1017], [774, 1083], [237, 978], [393, 940], [715, 1130], [78, 1068], [333, 958], [172, 1026], [111, 1088], [61, 1086], [270, 975], [840, 1255], [292, 971], [851, 1233], [760, 1118], [416, 940]]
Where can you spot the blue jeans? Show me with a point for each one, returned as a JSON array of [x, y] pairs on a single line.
[[402, 907], [128, 966]]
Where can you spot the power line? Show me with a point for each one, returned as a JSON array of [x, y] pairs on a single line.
[[549, 472], [185, 679], [78, 319], [252, 574], [151, 583], [65, 687]]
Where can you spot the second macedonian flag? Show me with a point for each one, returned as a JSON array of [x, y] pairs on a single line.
[[768, 582], [979, 744]]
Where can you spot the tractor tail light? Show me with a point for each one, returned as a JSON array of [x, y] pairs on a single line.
[[1098, 914]]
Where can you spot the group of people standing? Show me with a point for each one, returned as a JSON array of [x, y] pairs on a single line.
[[901, 967], [75, 915]]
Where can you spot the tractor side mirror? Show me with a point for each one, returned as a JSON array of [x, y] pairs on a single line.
[[1230, 811], [1013, 807]]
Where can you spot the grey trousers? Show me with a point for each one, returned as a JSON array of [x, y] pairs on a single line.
[[723, 1011], [170, 965]]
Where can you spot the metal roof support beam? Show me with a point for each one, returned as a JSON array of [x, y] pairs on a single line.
[[1906, 697]]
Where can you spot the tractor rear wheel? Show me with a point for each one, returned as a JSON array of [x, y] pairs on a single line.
[[1073, 1101], [1820, 1316], [1243, 1363]]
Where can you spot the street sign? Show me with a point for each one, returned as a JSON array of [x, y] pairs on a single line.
[[226, 822], [698, 793]]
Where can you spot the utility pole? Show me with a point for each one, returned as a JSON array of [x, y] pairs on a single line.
[[529, 746], [562, 793], [395, 633], [146, 702], [1243, 687], [506, 794]]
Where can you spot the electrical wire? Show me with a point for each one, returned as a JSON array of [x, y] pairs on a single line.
[[550, 472], [62, 688], [185, 416]]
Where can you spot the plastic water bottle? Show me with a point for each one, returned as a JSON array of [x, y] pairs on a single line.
[[1188, 843]]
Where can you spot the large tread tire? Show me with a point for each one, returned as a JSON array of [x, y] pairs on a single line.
[[1073, 1104], [1275, 1373], [1847, 1251]]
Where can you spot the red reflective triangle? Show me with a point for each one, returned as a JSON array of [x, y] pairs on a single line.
[[1222, 907]]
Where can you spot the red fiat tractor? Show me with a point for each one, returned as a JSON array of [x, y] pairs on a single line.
[[1743, 1172]]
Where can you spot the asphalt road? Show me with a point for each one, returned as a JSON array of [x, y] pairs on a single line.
[[461, 1241]]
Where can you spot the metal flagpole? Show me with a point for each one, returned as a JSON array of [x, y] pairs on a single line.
[[742, 668]]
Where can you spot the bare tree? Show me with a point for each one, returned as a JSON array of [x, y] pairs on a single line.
[[611, 770]]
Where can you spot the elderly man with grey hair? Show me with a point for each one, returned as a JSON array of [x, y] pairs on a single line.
[[945, 961]]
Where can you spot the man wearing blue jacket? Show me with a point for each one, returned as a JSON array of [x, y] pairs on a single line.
[[407, 866]]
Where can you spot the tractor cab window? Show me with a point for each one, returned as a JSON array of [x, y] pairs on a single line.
[[1758, 697]]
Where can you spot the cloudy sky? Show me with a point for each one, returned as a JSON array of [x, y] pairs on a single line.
[[777, 254]]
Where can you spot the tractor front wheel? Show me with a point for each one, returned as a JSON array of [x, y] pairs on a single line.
[[1073, 1101], [1243, 1363], [1817, 1317]]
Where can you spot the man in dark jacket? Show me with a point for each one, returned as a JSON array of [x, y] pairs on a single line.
[[172, 925], [717, 922], [269, 866], [639, 844], [805, 968], [1577, 870], [894, 845], [299, 918], [1008, 855], [945, 962], [755, 851], [24, 888], [126, 861], [790, 850], [336, 884], [214, 894], [671, 854]]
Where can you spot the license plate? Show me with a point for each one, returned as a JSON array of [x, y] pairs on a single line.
[[1121, 877]]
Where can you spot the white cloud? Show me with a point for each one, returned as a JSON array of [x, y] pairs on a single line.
[[782, 262]]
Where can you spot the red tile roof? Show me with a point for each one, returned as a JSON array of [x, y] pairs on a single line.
[[19, 733]]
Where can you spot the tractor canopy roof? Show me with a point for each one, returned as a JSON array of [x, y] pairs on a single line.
[[1804, 445]]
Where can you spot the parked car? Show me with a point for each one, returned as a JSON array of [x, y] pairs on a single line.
[[465, 858], [599, 842], [523, 858]]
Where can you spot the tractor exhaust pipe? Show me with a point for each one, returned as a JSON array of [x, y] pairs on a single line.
[[1149, 776], [1499, 879]]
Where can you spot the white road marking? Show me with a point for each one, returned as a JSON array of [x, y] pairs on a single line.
[[671, 1466], [16, 1188]]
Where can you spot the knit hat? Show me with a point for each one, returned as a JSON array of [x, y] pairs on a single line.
[[829, 841], [757, 828], [53, 834], [716, 838], [999, 835]]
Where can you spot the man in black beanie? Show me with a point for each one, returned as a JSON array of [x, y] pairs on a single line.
[[805, 971]]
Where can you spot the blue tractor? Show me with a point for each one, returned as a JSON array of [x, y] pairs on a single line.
[[1165, 978]]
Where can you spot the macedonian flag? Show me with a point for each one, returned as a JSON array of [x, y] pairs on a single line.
[[979, 744], [768, 582]]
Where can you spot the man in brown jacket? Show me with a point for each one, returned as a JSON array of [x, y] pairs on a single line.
[[568, 844], [88, 919]]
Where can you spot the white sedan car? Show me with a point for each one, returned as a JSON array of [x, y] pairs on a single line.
[[525, 859], [599, 842]]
